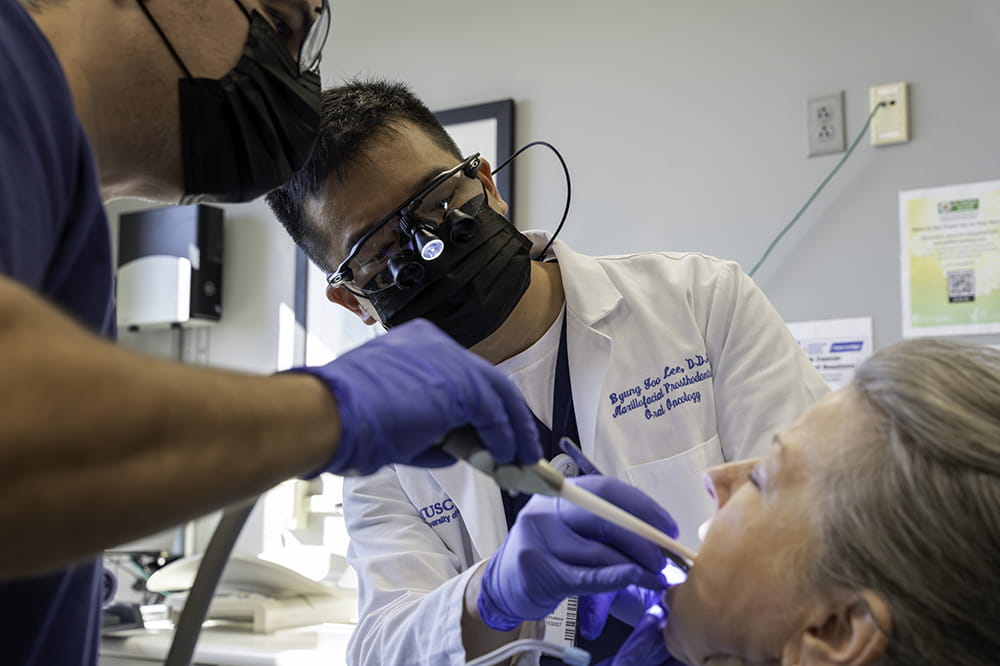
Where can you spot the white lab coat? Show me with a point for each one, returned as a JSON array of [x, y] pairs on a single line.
[[416, 535]]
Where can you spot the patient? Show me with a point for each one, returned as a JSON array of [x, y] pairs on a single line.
[[869, 535]]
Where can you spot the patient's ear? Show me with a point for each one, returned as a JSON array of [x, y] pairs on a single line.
[[346, 299], [852, 630]]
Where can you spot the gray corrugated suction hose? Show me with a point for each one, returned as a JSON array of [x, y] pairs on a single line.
[[213, 562]]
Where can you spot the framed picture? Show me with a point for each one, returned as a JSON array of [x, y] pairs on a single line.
[[326, 330], [487, 129]]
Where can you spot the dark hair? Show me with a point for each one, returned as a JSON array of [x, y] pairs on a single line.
[[350, 116]]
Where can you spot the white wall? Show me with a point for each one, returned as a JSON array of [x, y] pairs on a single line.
[[683, 121]]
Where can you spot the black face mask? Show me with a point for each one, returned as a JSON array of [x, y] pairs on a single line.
[[247, 133], [476, 287]]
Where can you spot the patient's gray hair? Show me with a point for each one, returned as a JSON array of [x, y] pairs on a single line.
[[912, 510]]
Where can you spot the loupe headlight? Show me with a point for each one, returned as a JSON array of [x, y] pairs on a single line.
[[429, 246]]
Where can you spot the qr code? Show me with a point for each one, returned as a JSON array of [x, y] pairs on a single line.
[[961, 286]]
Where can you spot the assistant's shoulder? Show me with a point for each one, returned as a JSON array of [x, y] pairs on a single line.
[[31, 78], [43, 152], [36, 106]]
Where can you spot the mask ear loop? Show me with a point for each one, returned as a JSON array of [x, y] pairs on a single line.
[[163, 37], [242, 9]]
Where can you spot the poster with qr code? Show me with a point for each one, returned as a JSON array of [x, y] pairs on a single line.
[[950, 247]]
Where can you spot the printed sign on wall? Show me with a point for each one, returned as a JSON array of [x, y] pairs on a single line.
[[950, 244]]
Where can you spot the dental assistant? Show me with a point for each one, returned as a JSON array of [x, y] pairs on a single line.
[[171, 100], [659, 364]]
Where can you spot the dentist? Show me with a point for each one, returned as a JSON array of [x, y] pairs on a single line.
[[659, 364]]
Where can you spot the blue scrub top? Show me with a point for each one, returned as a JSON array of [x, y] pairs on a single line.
[[54, 240]]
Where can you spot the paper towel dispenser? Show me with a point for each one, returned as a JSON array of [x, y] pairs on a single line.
[[170, 267]]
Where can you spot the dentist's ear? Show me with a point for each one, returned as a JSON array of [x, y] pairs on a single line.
[[485, 175], [346, 299], [853, 630]]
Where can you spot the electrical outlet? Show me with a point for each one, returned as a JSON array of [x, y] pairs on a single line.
[[825, 124], [892, 122]]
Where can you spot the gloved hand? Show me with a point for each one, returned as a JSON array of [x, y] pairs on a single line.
[[401, 393], [645, 646], [628, 605], [556, 549]]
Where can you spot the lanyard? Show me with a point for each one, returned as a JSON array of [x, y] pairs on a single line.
[[563, 411], [563, 423]]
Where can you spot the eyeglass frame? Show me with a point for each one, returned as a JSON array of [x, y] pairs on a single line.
[[324, 14], [470, 165]]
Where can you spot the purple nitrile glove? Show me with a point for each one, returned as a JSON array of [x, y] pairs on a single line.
[[645, 646], [628, 604], [556, 549], [401, 393]]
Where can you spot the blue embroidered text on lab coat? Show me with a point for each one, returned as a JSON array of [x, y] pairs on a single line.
[[445, 512], [657, 394]]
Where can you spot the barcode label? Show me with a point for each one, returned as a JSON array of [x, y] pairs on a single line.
[[560, 624], [569, 632]]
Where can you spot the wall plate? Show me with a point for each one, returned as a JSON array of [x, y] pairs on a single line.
[[825, 124], [892, 122]]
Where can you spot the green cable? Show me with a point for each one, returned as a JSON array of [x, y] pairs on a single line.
[[819, 189]]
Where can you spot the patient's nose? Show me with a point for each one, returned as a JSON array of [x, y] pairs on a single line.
[[724, 480]]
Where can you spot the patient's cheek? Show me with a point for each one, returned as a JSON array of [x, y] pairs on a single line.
[[672, 647], [669, 635]]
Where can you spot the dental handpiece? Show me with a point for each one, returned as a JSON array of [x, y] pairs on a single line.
[[543, 478], [677, 553]]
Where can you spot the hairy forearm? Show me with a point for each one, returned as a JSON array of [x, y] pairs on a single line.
[[477, 637], [99, 446]]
